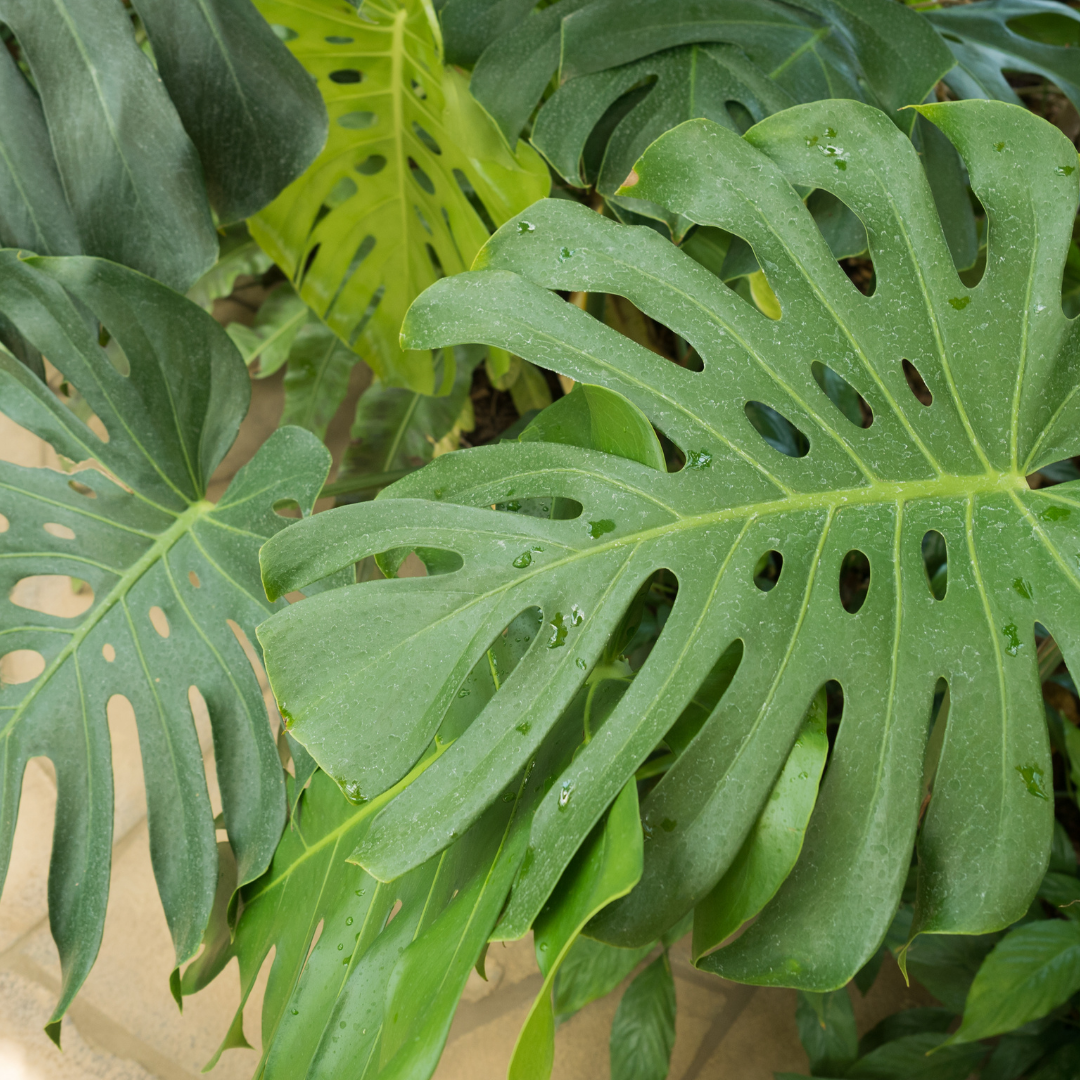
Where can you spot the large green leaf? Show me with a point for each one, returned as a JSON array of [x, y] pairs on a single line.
[[170, 573], [248, 106], [136, 201], [399, 196], [1001, 362]]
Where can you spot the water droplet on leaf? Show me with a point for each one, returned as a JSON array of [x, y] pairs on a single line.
[[526, 227], [959, 302], [598, 528], [1031, 775], [523, 560], [698, 459], [565, 792], [1012, 637]]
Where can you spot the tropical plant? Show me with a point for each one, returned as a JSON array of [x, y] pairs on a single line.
[[742, 635]]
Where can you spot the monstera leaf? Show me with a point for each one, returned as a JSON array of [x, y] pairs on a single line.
[[234, 118], [412, 180], [996, 36], [1000, 361], [175, 588]]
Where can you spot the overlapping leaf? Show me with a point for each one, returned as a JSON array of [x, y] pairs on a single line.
[[1000, 360], [411, 178], [171, 575], [233, 117]]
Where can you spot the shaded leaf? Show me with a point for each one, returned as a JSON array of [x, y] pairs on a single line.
[[826, 1024], [590, 970], [643, 1031], [171, 573]]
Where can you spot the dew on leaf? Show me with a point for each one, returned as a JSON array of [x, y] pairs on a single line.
[[999, 146], [811, 140], [340, 947], [1065, 170], [464, 693], [523, 560], [524, 727], [565, 792], [598, 528], [1022, 587], [1056, 513], [830, 132], [558, 631], [959, 302], [841, 165], [565, 254], [668, 825], [577, 616], [526, 227], [1032, 775], [1012, 637], [698, 459], [581, 663], [352, 792], [349, 921]]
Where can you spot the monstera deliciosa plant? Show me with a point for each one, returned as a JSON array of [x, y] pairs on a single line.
[[751, 620]]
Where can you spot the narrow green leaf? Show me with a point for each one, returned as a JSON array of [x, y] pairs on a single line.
[[1032, 970], [826, 1024], [772, 848], [607, 866], [270, 337], [643, 1031]]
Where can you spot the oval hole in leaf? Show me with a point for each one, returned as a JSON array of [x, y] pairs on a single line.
[[843, 395], [345, 76], [372, 164], [935, 553], [287, 508], [4, 524], [116, 355], [854, 580], [194, 579], [490, 672], [21, 665], [159, 621], [53, 528], [779, 432], [767, 570], [474, 200], [740, 115], [284, 33], [861, 273], [705, 699], [108, 652], [342, 191], [337, 39], [418, 90], [53, 594], [917, 384], [426, 138], [436, 265], [358, 119], [1060, 472], [553, 507], [421, 177]]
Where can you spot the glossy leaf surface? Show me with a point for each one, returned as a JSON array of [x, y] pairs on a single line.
[[171, 575], [957, 467], [398, 196]]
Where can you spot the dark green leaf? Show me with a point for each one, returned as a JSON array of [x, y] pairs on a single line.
[[136, 200], [826, 1025], [904, 1023], [591, 970], [643, 1031], [251, 110], [170, 573], [918, 1057]]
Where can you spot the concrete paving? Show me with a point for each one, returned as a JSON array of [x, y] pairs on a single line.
[[124, 1024]]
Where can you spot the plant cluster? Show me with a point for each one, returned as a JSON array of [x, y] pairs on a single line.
[[741, 473]]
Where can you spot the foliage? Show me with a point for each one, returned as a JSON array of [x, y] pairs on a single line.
[[171, 575], [956, 467], [234, 119], [411, 181]]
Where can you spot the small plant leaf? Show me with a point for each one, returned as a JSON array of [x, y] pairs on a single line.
[[826, 1024], [643, 1031]]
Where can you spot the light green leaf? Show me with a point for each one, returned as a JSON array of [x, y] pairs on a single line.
[[607, 866], [595, 418], [826, 1024], [399, 196], [772, 848], [270, 337], [643, 1031], [135, 200], [347, 676], [248, 106], [1033, 969], [238, 254], [170, 574]]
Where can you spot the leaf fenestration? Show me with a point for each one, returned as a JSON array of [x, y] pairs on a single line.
[[957, 466]]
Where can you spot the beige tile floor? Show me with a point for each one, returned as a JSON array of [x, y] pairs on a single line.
[[124, 1024]]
